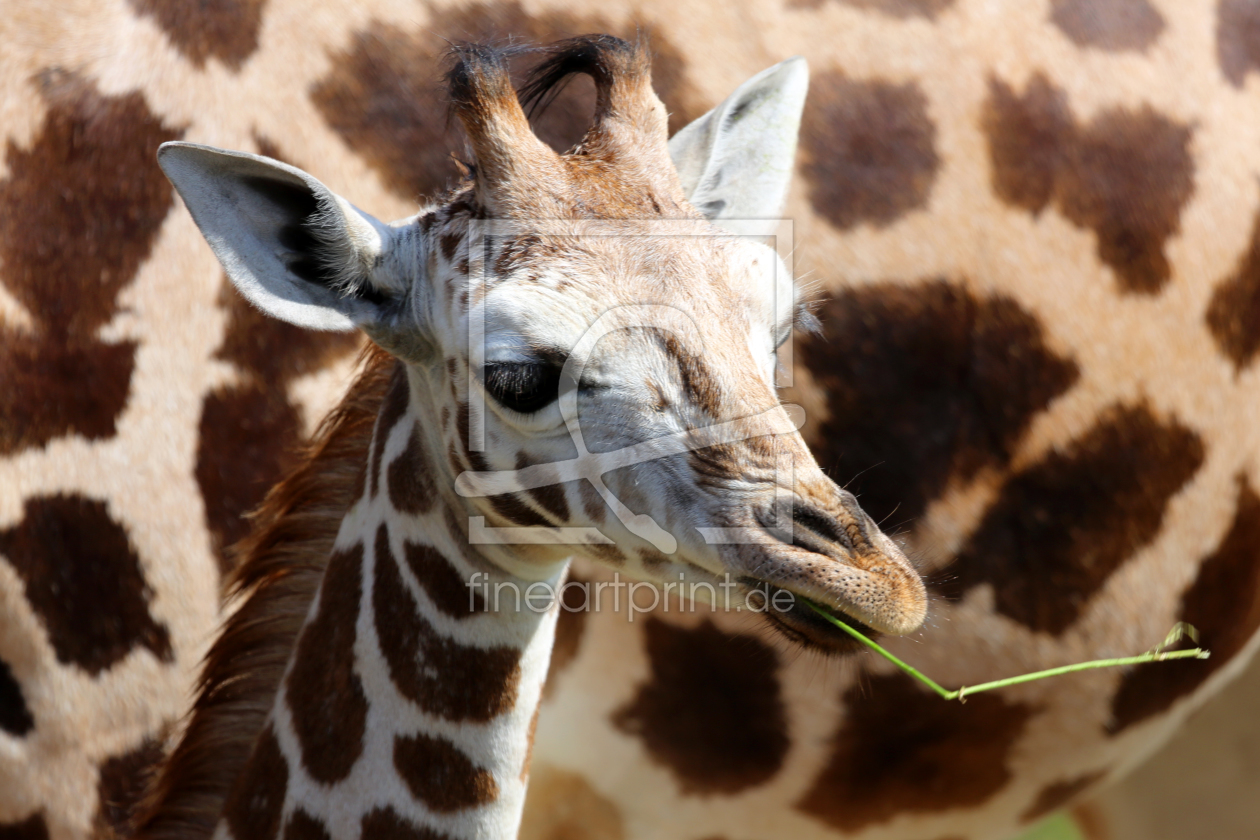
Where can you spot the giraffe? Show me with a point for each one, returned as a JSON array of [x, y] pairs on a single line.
[[953, 140], [405, 708]]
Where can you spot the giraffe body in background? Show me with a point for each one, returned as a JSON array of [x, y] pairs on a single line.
[[1034, 222]]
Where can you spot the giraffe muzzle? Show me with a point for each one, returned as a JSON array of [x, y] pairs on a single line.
[[856, 574]]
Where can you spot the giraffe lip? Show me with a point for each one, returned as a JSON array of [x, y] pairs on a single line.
[[807, 628]]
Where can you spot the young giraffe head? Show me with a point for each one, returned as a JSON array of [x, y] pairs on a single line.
[[557, 306]]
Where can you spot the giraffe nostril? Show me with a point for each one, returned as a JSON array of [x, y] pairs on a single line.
[[820, 524]]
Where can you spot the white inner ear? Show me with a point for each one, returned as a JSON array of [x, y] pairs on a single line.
[[736, 161], [250, 207]]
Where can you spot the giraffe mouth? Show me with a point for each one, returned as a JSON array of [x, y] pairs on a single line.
[[874, 590], [787, 613]]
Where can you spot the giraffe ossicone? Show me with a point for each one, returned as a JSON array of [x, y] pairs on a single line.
[[406, 706]]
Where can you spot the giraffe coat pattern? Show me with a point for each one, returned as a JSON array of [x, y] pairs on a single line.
[[1088, 308]]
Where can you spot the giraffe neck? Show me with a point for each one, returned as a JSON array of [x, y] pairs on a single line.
[[409, 700]]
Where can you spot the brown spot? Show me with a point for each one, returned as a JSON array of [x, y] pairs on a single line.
[[440, 775], [78, 215], [83, 579], [1238, 39], [387, 824], [576, 598], [222, 29], [518, 251], [653, 560], [509, 506], [123, 779], [550, 498], [443, 677], [82, 207], [77, 388], [560, 805], [247, 438], [1029, 138], [867, 150], [607, 554], [1234, 312], [31, 828], [384, 98], [15, 717], [445, 586], [1114, 25], [411, 488], [1129, 176], [253, 808], [1223, 603], [592, 503], [1126, 175], [699, 386], [249, 432], [925, 383], [450, 242], [932, 756], [393, 408], [322, 690], [1055, 796], [711, 711], [302, 826], [1062, 526]]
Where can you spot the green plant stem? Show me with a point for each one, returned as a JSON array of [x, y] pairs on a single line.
[[961, 694]]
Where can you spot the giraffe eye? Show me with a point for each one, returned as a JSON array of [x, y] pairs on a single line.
[[524, 387]]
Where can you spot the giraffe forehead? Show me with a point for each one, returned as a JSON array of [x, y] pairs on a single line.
[[617, 332], [718, 293]]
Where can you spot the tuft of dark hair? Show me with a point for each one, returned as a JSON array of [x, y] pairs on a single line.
[[601, 57], [478, 72]]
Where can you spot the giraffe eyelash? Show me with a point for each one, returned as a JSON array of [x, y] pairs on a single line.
[[523, 387], [804, 318]]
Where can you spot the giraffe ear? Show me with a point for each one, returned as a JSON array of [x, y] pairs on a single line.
[[736, 161], [291, 246]]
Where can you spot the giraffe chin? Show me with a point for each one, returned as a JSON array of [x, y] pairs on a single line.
[[804, 627]]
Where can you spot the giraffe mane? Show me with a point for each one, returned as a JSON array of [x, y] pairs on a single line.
[[281, 563]]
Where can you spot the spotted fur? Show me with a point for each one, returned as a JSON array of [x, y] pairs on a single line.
[[1123, 292]]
